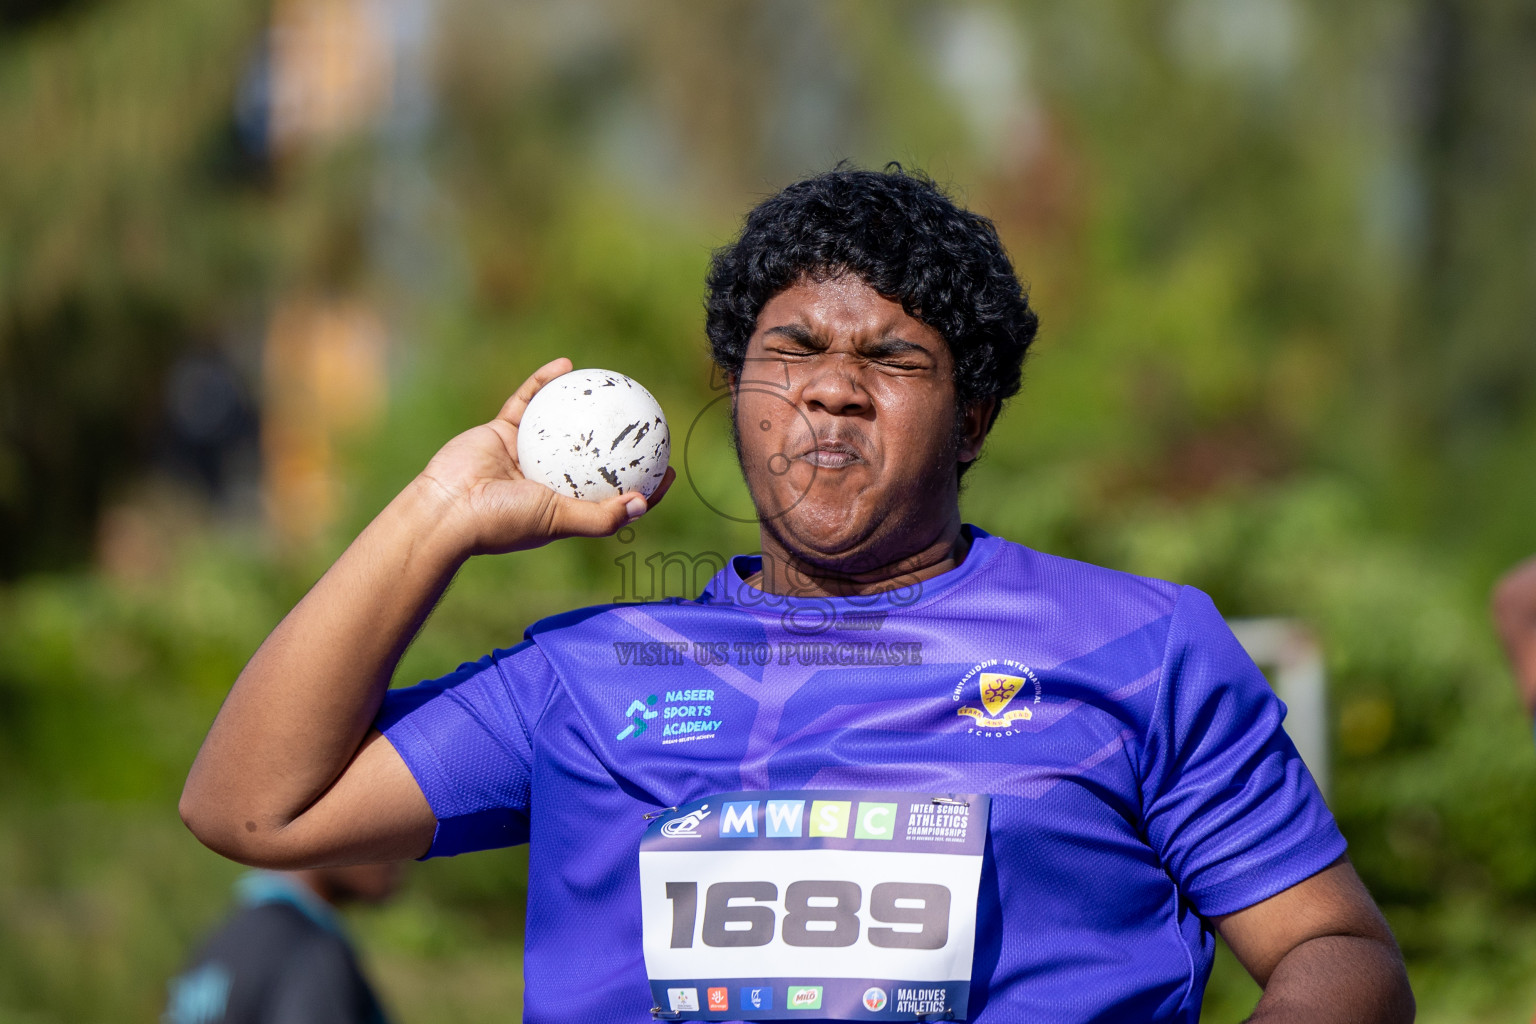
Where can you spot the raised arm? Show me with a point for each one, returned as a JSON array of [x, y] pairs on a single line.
[[1514, 615], [291, 774]]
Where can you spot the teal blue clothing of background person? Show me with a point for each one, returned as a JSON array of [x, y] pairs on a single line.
[[281, 958]]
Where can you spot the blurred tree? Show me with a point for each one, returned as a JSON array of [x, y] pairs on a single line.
[[1466, 359], [118, 247], [17, 14]]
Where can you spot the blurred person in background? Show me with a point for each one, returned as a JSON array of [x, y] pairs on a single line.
[[1514, 615], [283, 956]]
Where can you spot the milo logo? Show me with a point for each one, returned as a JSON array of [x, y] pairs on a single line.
[[805, 997]]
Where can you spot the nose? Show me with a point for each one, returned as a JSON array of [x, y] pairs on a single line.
[[834, 386]]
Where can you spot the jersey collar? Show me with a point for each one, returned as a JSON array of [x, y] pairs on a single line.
[[729, 586]]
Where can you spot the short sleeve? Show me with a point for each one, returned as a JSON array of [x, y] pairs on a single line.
[[1229, 806], [467, 738]]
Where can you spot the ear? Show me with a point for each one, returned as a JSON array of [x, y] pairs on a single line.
[[976, 423]]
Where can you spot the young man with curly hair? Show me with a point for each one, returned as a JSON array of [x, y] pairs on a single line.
[[899, 768]]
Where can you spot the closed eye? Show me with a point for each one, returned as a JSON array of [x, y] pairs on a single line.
[[793, 338], [898, 353]]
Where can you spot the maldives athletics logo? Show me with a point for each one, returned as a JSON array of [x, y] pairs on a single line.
[[994, 685]]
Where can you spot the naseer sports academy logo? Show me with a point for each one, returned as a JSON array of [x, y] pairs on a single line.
[[637, 717], [996, 684], [686, 715]]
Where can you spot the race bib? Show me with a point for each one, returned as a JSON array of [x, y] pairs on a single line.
[[840, 904]]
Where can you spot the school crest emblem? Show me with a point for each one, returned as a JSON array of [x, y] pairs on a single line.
[[996, 692]]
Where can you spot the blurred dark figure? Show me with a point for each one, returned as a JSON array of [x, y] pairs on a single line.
[[283, 957], [210, 435], [1514, 614], [19, 14]]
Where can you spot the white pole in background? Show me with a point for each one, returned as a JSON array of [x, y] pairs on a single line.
[[1293, 662]]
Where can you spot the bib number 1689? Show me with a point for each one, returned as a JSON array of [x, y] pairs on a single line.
[[816, 913]]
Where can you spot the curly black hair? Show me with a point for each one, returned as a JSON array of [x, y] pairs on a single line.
[[900, 233]]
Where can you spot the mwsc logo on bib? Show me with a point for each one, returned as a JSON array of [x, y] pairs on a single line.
[[686, 827]]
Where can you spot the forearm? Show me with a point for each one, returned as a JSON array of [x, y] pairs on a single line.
[[1342, 978], [299, 711]]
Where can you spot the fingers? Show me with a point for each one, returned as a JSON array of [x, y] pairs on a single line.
[[573, 518], [637, 504], [576, 518], [512, 411], [661, 491]]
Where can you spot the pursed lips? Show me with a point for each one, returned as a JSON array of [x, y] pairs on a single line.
[[830, 455]]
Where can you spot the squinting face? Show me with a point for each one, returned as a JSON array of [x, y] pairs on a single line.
[[847, 426]]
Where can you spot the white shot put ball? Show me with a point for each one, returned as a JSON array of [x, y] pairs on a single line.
[[594, 434]]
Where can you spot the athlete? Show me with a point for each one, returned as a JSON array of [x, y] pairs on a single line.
[[283, 956], [1101, 765]]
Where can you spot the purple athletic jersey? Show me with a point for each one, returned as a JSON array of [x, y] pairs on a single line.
[[1139, 776]]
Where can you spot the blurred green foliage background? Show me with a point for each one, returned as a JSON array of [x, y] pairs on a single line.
[[1284, 252]]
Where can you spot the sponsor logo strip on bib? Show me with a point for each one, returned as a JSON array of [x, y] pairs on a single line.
[[824, 904]]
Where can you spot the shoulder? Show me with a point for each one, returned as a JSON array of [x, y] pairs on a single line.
[[595, 618], [600, 623], [260, 929], [254, 945], [584, 648], [1081, 588], [1096, 626], [322, 953]]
